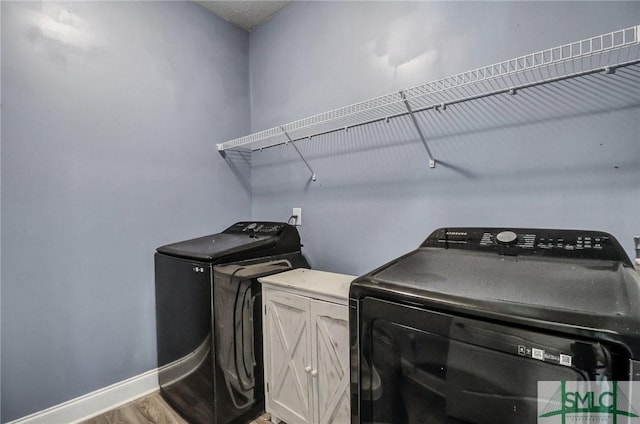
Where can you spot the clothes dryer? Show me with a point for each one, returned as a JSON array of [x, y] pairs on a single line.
[[471, 326]]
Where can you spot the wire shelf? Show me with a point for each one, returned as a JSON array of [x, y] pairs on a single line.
[[602, 64]]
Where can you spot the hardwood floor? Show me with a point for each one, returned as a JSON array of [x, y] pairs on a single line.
[[151, 409]]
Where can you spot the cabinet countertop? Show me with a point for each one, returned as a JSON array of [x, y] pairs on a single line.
[[313, 283]]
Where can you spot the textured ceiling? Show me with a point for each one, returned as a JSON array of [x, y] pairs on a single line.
[[245, 14]]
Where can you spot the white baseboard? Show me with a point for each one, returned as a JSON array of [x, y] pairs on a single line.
[[95, 403]]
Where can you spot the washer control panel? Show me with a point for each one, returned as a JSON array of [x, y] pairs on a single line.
[[261, 228], [520, 241]]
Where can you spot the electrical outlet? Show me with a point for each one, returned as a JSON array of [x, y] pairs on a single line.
[[297, 212]]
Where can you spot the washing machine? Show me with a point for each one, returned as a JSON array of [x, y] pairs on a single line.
[[209, 321]]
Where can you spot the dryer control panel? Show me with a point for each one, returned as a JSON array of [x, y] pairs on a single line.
[[531, 241]]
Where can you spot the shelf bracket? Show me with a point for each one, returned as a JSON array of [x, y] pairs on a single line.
[[432, 161], [313, 174]]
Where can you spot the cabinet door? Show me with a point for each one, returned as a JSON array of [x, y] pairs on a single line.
[[330, 347], [287, 356]]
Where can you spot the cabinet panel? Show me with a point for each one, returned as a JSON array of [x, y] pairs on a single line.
[[330, 350], [287, 342], [306, 343]]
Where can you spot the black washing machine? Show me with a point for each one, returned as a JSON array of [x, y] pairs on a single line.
[[209, 321], [462, 329]]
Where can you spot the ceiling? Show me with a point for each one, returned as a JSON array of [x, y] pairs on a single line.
[[245, 14]]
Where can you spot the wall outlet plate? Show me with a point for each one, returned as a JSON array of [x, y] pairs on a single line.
[[297, 212]]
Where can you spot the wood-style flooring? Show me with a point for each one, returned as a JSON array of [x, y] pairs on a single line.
[[151, 409]]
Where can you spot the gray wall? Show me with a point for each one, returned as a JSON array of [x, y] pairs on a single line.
[[375, 197], [109, 114]]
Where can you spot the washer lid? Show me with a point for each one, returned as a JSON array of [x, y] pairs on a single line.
[[215, 246]]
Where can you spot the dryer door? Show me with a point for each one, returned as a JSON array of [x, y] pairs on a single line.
[[424, 367]]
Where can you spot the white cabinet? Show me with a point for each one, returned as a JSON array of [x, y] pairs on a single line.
[[287, 357], [306, 346]]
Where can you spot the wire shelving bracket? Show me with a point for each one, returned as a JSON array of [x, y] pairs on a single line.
[[603, 63], [313, 174], [432, 161]]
